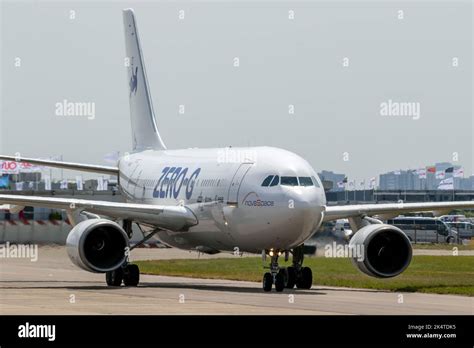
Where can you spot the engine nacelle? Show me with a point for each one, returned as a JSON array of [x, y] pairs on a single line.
[[97, 245], [387, 250]]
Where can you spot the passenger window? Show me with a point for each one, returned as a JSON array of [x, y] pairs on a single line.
[[275, 180], [289, 181], [305, 181], [267, 180]]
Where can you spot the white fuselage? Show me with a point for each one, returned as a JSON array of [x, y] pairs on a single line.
[[223, 188]]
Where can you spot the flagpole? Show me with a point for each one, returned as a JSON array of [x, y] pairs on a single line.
[[62, 169], [354, 190], [364, 190], [452, 175]]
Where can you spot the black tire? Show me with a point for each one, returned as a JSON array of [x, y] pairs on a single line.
[[267, 282], [131, 276], [279, 282], [305, 280], [115, 277], [291, 281]]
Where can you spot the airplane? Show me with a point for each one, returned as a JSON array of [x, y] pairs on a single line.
[[251, 199]]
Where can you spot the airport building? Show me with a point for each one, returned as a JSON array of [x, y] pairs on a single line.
[[332, 179], [429, 179]]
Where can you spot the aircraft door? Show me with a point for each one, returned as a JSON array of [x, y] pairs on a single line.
[[234, 187]]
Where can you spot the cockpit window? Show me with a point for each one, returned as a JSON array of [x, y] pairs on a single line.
[[267, 180], [316, 182], [275, 180], [289, 181], [305, 181]]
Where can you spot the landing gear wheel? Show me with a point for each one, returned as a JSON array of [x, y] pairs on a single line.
[[291, 281], [267, 282], [305, 280], [279, 282], [131, 275], [114, 278]]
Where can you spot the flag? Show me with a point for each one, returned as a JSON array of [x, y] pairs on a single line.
[[458, 173], [79, 185], [449, 170], [373, 182], [63, 185], [47, 183], [440, 174], [352, 184], [431, 169], [100, 183], [446, 184], [421, 173]]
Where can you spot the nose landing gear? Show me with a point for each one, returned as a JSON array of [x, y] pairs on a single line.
[[282, 278], [276, 275]]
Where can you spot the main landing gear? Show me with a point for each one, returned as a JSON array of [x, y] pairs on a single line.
[[295, 275], [129, 274]]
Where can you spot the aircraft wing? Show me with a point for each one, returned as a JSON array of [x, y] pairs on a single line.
[[175, 218], [65, 165], [389, 210]]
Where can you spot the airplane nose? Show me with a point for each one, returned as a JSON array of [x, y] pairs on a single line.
[[307, 209], [288, 220]]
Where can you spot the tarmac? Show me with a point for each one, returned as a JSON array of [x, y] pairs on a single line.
[[53, 285]]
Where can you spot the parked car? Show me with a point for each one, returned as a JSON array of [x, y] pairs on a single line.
[[343, 229], [463, 228]]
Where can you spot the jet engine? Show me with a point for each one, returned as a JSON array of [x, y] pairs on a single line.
[[386, 249], [97, 245]]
